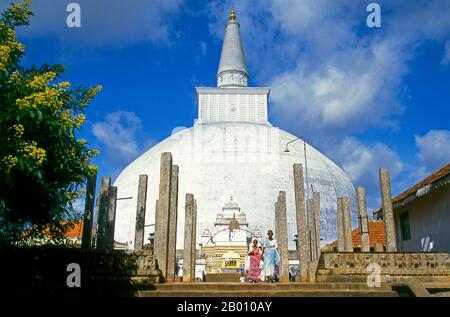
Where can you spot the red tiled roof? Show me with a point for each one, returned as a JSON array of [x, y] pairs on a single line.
[[76, 231], [440, 173], [376, 235]]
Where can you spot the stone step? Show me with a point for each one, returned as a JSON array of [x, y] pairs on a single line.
[[437, 285], [337, 278], [119, 280], [438, 289], [268, 293], [264, 286], [392, 272], [324, 277], [223, 277]]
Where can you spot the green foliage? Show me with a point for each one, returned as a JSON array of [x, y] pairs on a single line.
[[43, 165]]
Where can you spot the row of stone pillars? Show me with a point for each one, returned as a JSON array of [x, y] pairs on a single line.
[[308, 229], [105, 217], [98, 232], [345, 243], [308, 222], [308, 225], [166, 219]]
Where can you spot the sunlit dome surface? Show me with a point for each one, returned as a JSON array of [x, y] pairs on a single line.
[[240, 159]]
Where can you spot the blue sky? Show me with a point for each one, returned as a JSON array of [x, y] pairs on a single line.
[[367, 98]]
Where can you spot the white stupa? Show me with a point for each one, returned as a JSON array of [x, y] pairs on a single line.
[[232, 149]]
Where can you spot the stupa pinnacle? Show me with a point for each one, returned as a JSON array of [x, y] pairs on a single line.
[[232, 67]]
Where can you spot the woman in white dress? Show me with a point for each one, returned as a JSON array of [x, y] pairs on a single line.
[[271, 257]]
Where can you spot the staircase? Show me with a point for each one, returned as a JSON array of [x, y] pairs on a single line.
[[210, 289]]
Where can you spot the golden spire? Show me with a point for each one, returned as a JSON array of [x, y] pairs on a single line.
[[232, 15]]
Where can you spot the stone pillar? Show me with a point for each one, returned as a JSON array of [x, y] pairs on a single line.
[[388, 211], [154, 234], [311, 229], [88, 221], [340, 225], [348, 242], [103, 213], [302, 232], [188, 233], [111, 217], [276, 216], [282, 237], [316, 207], [95, 231], [140, 212], [194, 240], [163, 213], [173, 218], [363, 223]]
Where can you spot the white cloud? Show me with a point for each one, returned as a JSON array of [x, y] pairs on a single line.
[[361, 163], [433, 149], [105, 22], [348, 93], [118, 135]]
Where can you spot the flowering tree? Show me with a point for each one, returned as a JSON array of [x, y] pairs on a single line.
[[43, 165]]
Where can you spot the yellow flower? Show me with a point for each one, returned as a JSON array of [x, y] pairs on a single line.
[[15, 76], [48, 97], [90, 94], [72, 195], [9, 162], [5, 52], [68, 117], [40, 82], [79, 120], [18, 130], [64, 84], [93, 168], [32, 151]]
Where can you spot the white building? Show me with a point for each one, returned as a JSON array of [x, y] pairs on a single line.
[[233, 149], [224, 249], [221, 234], [422, 214]]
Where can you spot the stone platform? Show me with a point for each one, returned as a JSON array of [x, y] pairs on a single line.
[[392, 266]]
